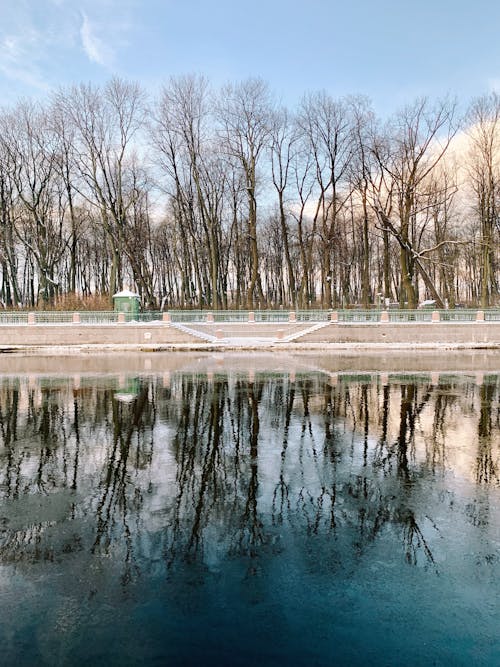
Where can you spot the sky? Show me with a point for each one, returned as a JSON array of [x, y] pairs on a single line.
[[389, 50]]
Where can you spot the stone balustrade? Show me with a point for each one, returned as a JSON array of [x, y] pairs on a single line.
[[346, 317]]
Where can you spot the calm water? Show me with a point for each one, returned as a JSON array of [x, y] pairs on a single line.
[[240, 518]]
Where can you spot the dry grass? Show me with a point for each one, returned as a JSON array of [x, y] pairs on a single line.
[[76, 302]]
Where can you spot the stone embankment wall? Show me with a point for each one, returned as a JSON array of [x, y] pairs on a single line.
[[87, 334], [418, 333], [164, 334]]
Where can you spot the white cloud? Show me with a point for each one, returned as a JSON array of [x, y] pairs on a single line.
[[46, 43], [17, 61], [96, 49]]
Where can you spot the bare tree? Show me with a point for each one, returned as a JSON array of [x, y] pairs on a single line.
[[484, 173], [32, 149], [11, 292], [363, 166], [284, 138], [419, 136], [185, 144], [244, 116], [106, 123], [326, 126]]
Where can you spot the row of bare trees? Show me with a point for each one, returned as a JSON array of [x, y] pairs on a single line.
[[220, 199]]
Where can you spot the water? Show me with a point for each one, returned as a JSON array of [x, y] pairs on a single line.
[[234, 517]]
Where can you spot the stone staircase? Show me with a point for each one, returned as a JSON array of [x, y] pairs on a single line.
[[190, 331], [244, 334], [306, 332]]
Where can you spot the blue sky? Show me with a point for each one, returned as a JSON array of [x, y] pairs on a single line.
[[389, 50]]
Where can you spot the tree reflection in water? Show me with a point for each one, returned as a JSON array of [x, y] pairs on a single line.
[[215, 465], [487, 463]]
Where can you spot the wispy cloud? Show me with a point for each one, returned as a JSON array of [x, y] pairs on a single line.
[[46, 43], [96, 49], [17, 61]]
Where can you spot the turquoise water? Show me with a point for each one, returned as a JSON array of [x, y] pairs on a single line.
[[250, 518]]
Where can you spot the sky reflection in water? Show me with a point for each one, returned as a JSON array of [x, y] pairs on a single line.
[[236, 518]]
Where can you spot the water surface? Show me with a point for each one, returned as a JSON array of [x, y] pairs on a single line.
[[287, 517]]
